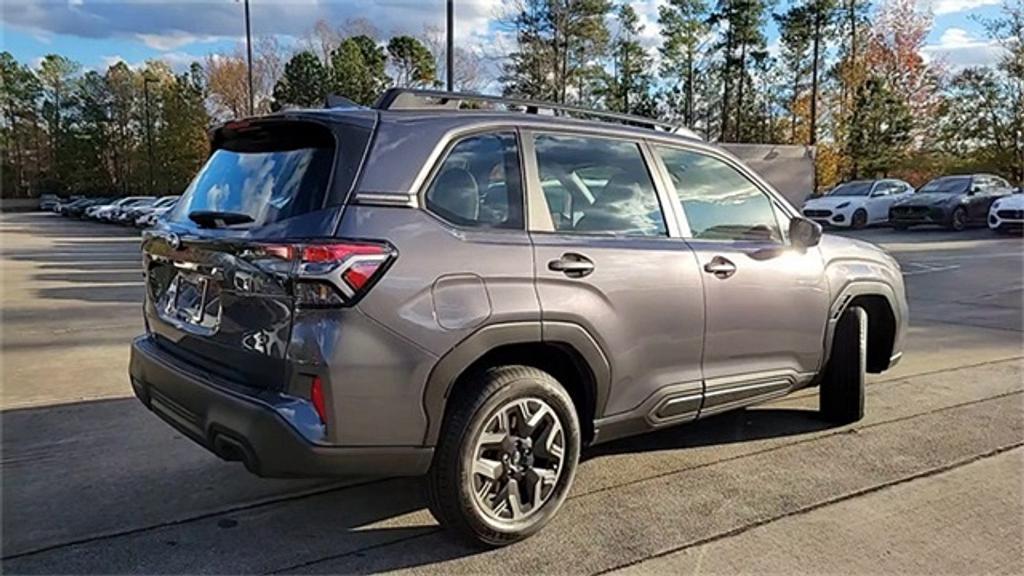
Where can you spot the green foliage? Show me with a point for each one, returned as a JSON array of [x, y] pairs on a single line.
[[882, 138], [560, 44], [85, 133], [414, 64], [628, 88], [303, 83], [683, 24]]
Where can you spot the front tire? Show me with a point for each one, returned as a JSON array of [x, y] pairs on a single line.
[[841, 398], [506, 457], [859, 219]]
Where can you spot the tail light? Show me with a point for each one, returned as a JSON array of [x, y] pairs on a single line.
[[334, 274]]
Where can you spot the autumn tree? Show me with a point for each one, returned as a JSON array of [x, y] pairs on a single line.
[[227, 79]]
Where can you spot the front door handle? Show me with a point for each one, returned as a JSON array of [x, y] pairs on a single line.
[[572, 265], [721, 267]]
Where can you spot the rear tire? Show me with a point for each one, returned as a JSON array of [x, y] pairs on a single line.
[[842, 390], [488, 427]]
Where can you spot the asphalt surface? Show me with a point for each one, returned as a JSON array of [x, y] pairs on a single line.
[[930, 481]]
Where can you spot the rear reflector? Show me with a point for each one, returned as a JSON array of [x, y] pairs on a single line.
[[316, 395]]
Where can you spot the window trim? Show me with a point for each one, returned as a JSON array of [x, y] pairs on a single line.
[[782, 211], [539, 219], [442, 157]]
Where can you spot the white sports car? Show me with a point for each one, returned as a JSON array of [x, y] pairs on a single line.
[[858, 203], [1007, 213]]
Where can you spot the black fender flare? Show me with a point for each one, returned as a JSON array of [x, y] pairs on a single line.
[[842, 301], [487, 338]]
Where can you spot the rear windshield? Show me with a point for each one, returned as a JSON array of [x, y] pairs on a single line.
[[269, 173]]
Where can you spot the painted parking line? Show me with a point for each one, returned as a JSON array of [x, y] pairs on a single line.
[[917, 268]]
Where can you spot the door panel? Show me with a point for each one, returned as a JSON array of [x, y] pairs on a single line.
[[642, 302], [604, 260], [769, 315], [766, 304]]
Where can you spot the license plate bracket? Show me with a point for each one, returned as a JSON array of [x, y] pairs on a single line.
[[190, 298]]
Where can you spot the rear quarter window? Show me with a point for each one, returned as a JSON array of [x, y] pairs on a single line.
[[269, 173]]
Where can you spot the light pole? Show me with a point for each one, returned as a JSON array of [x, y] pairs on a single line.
[[149, 130], [248, 49], [450, 52]]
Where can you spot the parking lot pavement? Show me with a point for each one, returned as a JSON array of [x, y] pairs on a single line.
[[930, 480]]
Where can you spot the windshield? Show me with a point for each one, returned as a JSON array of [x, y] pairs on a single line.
[[851, 189], [947, 185], [267, 175]]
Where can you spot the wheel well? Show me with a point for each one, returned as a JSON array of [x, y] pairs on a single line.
[[881, 330], [563, 362]]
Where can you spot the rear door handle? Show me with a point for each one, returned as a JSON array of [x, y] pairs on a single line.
[[721, 267], [572, 265]]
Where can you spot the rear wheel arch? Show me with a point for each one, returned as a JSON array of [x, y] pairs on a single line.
[[566, 351]]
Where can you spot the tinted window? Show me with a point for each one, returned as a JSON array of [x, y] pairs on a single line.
[[947, 185], [719, 202], [479, 185], [851, 189], [598, 186], [269, 174]]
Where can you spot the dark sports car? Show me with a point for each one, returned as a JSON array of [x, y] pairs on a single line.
[[951, 201]]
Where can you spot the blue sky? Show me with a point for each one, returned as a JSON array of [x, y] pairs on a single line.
[[100, 32]]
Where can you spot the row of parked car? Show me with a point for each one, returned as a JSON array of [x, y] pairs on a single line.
[[138, 211], [955, 202]]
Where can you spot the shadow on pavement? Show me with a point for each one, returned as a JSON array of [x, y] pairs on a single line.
[[177, 505]]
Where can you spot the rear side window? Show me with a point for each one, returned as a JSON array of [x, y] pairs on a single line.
[[269, 173], [478, 185], [598, 186]]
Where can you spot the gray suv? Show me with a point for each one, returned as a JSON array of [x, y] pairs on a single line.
[[476, 295]]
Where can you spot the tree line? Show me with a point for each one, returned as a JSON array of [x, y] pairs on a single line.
[[845, 77]]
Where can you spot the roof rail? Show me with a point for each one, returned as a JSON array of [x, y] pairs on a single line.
[[421, 99]]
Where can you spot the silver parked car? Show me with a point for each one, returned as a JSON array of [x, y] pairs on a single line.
[[476, 296]]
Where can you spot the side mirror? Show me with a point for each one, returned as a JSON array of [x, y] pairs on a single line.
[[974, 190], [804, 233]]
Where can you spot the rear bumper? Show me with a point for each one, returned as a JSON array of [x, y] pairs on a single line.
[[236, 426]]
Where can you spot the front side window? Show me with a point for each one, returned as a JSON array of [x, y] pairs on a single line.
[[598, 186], [478, 185], [719, 202]]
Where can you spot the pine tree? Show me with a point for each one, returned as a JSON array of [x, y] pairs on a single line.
[[303, 83], [413, 63], [629, 86], [683, 24]]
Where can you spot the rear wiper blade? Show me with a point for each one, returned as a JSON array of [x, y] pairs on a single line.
[[215, 219]]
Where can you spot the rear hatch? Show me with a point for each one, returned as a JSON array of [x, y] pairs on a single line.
[[219, 267]]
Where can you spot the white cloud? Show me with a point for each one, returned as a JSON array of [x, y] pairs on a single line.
[[172, 40], [958, 49], [953, 6]]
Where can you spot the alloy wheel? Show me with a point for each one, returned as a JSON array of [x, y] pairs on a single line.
[[518, 458]]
